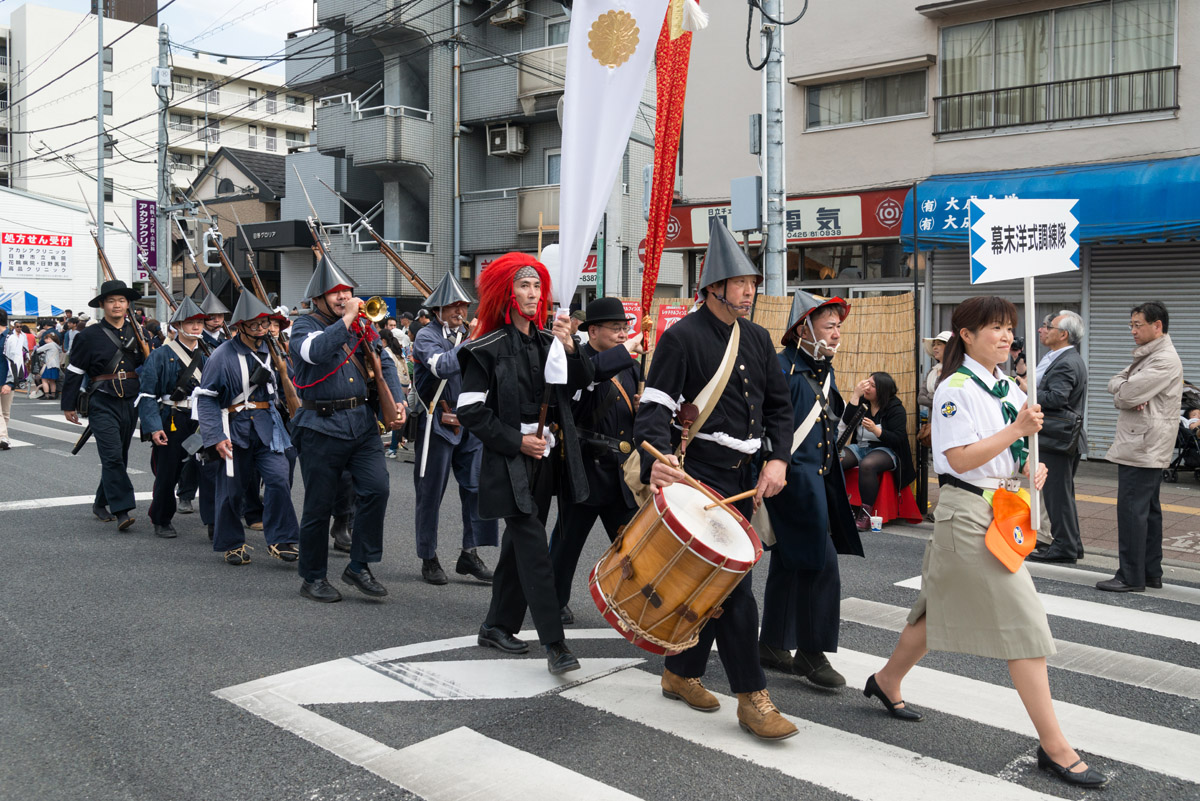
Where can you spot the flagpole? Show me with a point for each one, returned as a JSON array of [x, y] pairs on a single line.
[[1035, 507]]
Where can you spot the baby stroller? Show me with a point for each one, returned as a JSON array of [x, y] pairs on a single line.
[[1187, 443]]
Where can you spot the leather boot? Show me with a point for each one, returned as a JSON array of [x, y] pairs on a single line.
[[757, 715], [340, 531], [690, 691], [815, 667]]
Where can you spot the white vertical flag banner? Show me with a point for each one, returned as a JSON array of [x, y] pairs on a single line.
[[609, 53]]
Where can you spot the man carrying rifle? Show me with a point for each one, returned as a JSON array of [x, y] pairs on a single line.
[[235, 403], [108, 354], [443, 444], [336, 429], [168, 379]]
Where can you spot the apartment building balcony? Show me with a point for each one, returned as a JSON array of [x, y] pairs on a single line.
[[495, 220], [384, 19], [4, 158], [1151, 93], [3, 70], [198, 139], [222, 102], [376, 136], [358, 254], [522, 84]]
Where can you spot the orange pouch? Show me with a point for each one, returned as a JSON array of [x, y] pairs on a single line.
[[1010, 537]]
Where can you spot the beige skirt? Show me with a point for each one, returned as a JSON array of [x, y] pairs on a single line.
[[972, 604]]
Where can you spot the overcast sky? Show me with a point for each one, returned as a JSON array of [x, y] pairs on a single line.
[[255, 27]]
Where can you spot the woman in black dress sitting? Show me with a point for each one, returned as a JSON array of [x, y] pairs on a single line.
[[878, 441]]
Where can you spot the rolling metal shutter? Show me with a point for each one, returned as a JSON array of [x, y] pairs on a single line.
[[951, 275], [1121, 277]]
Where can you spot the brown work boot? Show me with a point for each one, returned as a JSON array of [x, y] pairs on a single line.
[[690, 691], [757, 715]]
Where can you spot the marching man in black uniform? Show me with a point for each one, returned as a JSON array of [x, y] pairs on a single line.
[[235, 405], [603, 415], [505, 393], [749, 406], [336, 430], [168, 379], [811, 517], [442, 444], [108, 354]]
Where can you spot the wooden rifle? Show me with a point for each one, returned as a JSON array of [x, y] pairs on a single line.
[[384, 247], [110, 275], [203, 285], [285, 381], [374, 366], [145, 262]]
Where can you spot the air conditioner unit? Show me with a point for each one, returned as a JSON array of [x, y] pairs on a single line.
[[506, 140], [514, 14]]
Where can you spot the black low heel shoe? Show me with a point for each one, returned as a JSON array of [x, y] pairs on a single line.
[[894, 709], [1088, 778]]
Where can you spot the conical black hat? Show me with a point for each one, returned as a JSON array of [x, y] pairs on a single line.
[[724, 258], [213, 305], [448, 292], [249, 308], [326, 278], [188, 310]]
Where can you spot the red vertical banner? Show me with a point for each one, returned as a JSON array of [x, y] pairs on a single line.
[[671, 60]]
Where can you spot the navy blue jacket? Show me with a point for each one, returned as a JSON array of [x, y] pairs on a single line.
[[435, 358], [222, 383], [159, 376], [316, 350]]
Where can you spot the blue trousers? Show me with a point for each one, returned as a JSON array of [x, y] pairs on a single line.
[[113, 421], [463, 459], [322, 461], [802, 608], [735, 632], [279, 516]]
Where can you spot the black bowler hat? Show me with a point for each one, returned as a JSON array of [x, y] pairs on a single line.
[[114, 288], [605, 310]]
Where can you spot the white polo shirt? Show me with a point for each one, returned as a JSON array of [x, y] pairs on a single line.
[[964, 413]]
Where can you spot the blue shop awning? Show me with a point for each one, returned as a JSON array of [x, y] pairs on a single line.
[[1129, 201]]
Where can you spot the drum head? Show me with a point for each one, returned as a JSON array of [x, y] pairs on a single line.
[[715, 527]]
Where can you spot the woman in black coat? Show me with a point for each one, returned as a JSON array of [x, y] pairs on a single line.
[[879, 441]]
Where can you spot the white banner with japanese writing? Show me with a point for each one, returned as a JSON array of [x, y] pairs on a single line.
[[1022, 238], [26, 255]]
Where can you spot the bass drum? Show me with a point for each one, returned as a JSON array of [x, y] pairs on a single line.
[[671, 568]]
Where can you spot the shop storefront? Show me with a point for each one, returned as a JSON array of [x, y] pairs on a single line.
[[846, 244], [1139, 226]]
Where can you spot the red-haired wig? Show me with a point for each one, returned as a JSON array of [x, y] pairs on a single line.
[[495, 286]]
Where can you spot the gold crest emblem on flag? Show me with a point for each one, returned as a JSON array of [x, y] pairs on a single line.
[[613, 38]]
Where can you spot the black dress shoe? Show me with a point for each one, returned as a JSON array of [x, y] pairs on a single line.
[[124, 521], [1084, 778], [364, 581], [432, 573], [102, 514], [469, 564], [320, 590], [816, 668], [339, 529], [1051, 555], [1154, 583], [496, 637], [184, 506], [566, 616], [559, 658], [775, 658], [894, 709], [1116, 585], [167, 532]]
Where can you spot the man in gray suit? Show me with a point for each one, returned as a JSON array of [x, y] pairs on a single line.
[[1061, 378]]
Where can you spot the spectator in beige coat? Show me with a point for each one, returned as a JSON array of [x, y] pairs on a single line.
[[1148, 394]]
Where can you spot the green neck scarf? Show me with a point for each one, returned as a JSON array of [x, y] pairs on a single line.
[[1020, 448]]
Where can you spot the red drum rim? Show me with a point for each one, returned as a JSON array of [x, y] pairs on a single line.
[[706, 553]]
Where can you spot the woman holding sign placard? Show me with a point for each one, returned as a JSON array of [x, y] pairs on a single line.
[[976, 595]]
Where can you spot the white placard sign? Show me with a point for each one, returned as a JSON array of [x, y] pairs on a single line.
[[1021, 238]]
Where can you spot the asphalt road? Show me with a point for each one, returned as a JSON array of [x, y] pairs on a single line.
[[139, 668]]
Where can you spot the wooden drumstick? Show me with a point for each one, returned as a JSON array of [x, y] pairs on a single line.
[[741, 496], [693, 483]]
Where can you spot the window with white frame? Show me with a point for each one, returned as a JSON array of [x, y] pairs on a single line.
[[553, 165], [557, 30], [295, 103], [295, 138], [252, 135], [866, 100]]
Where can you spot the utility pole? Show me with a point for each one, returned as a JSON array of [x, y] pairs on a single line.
[[100, 136], [776, 242], [163, 264]]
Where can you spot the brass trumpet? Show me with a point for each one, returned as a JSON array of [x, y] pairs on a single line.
[[374, 309]]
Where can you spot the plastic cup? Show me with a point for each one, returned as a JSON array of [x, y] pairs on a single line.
[[876, 523]]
